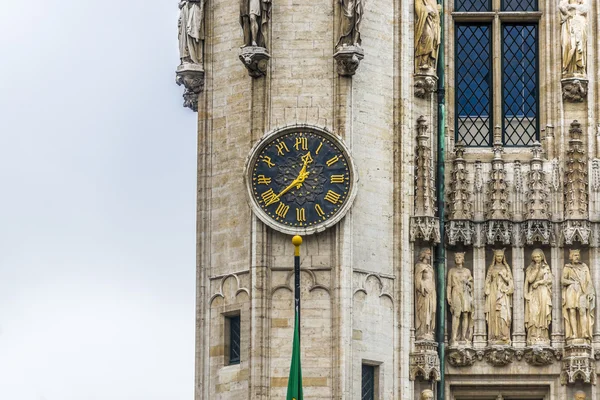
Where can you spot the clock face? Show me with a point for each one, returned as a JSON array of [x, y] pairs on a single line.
[[300, 180]]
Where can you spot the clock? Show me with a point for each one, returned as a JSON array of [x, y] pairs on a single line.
[[300, 180]]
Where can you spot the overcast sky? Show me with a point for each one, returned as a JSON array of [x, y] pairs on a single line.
[[97, 203]]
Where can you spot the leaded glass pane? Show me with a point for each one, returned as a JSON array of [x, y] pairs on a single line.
[[473, 5], [519, 84], [473, 85], [519, 5], [368, 382], [234, 340]]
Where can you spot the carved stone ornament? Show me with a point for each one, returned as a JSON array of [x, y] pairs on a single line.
[[498, 205], [576, 179], [426, 228], [460, 231], [576, 231], [595, 181], [538, 204], [461, 203], [424, 361], [499, 231], [538, 232], [348, 59], [541, 355], [425, 85], [255, 59], [424, 182], [191, 76], [461, 356], [574, 90], [499, 356], [578, 364]]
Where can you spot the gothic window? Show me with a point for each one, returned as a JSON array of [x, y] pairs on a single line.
[[496, 72], [368, 382], [232, 340]]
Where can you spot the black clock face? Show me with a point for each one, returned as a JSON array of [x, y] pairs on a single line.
[[301, 179]]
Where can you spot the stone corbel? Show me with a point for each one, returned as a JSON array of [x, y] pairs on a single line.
[[348, 59], [424, 361], [191, 76], [578, 364], [425, 85], [499, 355], [540, 355], [461, 356], [574, 89], [255, 59]]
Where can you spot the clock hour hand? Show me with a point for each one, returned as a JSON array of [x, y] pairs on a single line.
[[296, 182]]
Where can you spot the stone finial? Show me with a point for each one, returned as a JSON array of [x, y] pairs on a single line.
[[497, 205], [460, 194], [576, 176], [424, 185]]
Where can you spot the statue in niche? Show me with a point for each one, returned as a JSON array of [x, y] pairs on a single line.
[[254, 17], [499, 287], [191, 31], [425, 297], [573, 15], [460, 298], [427, 35], [578, 298], [538, 299], [426, 394], [351, 18]]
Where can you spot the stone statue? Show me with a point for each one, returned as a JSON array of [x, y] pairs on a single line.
[[427, 35], [538, 299], [573, 37], [351, 18], [580, 395], [578, 298], [191, 31], [425, 297], [427, 394], [460, 298], [499, 287], [254, 17]]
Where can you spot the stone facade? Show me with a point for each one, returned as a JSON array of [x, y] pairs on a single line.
[[357, 279]]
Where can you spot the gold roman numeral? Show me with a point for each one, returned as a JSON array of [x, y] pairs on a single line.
[[319, 210], [300, 215], [337, 178], [267, 160], [263, 180], [280, 146], [301, 143], [269, 197], [332, 197], [282, 210], [332, 161]]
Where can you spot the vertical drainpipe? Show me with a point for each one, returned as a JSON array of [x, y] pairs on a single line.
[[440, 252]]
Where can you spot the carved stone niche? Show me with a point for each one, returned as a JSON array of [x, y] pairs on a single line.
[[460, 231], [424, 361], [255, 59], [426, 228], [425, 85], [348, 59], [574, 89], [576, 231], [541, 355], [578, 364], [499, 355], [462, 356], [191, 76]]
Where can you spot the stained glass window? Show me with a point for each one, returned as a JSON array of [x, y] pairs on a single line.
[[368, 382], [519, 84], [519, 5], [473, 85], [473, 5]]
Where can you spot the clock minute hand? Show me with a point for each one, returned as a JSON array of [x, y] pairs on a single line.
[[296, 182]]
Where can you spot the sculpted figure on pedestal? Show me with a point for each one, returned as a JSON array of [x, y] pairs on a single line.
[[573, 15], [538, 299], [499, 287], [426, 394], [350, 20], [578, 297], [191, 31], [460, 298], [425, 297], [427, 35], [254, 17]]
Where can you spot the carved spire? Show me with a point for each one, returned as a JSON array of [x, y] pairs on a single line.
[[424, 189], [497, 206], [538, 204], [576, 179], [460, 195]]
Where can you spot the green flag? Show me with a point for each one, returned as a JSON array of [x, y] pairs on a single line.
[[294, 391]]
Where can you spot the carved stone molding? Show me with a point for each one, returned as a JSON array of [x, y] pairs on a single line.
[[576, 176], [424, 361], [191, 76], [498, 355], [576, 231], [478, 184], [539, 355], [460, 231], [255, 59], [425, 85], [595, 180], [426, 228], [537, 231], [461, 356], [348, 59], [555, 176], [574, 90], [578, 364], [498, 231]]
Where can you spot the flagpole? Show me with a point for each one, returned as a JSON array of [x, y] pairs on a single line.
[[297, 241]]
